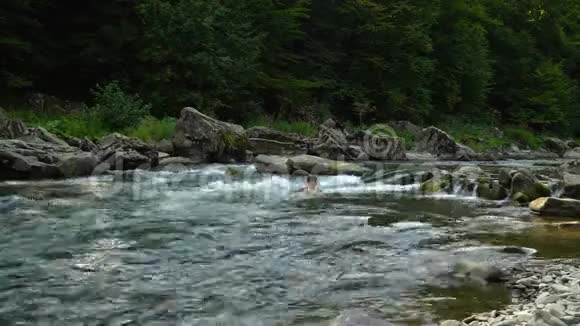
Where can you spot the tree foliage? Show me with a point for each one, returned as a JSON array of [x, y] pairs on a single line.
[[422, 60]]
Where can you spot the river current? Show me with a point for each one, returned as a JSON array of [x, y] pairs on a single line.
[[198, 247]]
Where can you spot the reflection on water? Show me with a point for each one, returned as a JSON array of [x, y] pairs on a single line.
[[203, 248]]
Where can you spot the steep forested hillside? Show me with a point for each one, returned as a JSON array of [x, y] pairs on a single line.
[[507, 62]]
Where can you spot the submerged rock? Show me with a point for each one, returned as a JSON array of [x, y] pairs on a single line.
[[479, 272], [442, 145], [556, 207], [437, 183], [357, 317], [202, 138]]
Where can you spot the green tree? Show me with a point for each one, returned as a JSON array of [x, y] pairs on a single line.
[[201, 53]]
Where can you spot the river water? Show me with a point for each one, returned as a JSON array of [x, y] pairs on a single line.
[[198, 247]]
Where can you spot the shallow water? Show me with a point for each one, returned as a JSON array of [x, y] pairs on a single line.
[[201, 248]]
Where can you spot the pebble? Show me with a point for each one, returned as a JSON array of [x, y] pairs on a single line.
[[542, 296]]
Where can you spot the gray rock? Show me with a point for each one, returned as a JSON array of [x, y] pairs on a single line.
[[451, 323], [321, 166], [272, 164], [32, 160], [556, 207], [271, 134], [332, 143], [573, 153], [357, 317], [571, 186], [526, 183], [203, 138], [164, 146], [379, 147], [35, 134], [274, 147], [442, 145], [556, 145], [84, 144], [505, 177], [491, 190], [77, 165], [478, 272], [118, 152]]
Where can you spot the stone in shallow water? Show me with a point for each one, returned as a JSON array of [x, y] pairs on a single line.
[[357, 317], [451, 323]]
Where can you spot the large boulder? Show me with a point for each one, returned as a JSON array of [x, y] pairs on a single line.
[[118, 152], [556, 145], [321, 166], [556, 207], [272, 164], [571, 186], [40, 160], [11, 129], [203, 138], [442, 145], [378, 147], [526, 187]]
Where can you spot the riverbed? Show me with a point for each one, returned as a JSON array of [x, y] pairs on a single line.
[[201, 247]]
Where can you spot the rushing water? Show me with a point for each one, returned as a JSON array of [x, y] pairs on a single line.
[[200, 248]]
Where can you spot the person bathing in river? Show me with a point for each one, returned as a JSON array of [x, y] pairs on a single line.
[[311, 184]]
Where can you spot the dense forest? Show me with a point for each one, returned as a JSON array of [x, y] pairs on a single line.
[[498, 62]]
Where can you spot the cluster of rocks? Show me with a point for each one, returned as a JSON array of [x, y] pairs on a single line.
[[568, 203], [520, 185], [35, 153], [543, 295]]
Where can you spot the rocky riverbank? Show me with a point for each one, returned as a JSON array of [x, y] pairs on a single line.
[[544, 293]]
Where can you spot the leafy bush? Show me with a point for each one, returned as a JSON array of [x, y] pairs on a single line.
[[151, 129], [117, 109]]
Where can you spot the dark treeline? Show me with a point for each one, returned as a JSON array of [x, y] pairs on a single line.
[[503, 62]]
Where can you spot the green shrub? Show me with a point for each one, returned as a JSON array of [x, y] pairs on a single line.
[[117, 109], [151, 129], [523, 137]]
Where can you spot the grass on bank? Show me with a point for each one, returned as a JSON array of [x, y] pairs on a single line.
[[90, 125], [485, 137]]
